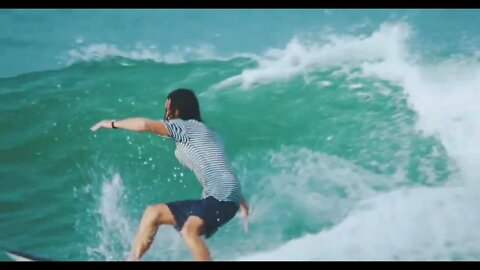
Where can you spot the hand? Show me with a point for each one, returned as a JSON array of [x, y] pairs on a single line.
[[102, 124], [244, 211]]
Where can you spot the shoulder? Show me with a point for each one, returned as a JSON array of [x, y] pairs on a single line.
[[176, 121], [177, 129]]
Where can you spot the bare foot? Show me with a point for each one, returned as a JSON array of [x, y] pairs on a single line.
[[132, 258]]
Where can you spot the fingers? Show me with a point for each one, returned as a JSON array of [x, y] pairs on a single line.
[[245, 223], [103, 123], [245, 213], [96, 126]]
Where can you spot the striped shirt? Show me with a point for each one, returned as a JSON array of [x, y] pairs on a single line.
[[202, 151]]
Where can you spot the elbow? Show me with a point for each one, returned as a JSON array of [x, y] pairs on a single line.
[[143, 125]]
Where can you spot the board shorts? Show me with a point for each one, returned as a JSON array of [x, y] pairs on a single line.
[[213, 212]]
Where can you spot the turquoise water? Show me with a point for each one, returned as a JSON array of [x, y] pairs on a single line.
[[352, 131]]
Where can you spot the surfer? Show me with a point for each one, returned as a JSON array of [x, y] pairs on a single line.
[[201, 150]]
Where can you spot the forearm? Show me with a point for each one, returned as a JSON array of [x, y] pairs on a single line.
[[135, 124], [132, 124], [243, 202], [245, 212]]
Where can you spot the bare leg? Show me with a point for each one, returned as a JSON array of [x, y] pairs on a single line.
[[191, 233], [153, 217]]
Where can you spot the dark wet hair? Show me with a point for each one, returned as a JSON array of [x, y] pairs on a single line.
[[187, 104]]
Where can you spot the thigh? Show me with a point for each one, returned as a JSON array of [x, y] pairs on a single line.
[[181, 210], [214, 214]]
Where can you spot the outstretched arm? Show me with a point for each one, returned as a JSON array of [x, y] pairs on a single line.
[[137, 124]]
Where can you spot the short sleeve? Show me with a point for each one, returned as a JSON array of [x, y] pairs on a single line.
[[177, 130]]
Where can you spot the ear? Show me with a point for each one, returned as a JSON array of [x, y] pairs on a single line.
[[167, 108], [177, 113]]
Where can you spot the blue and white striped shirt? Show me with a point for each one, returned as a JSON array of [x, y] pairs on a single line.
[[202, 151]]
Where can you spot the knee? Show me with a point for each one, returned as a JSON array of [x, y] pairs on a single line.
[[192, 227], [154, 213]]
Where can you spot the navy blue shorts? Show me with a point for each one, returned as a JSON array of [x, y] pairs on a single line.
[[213, 212]]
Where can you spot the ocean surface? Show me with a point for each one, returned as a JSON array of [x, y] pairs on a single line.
[[353, 132]]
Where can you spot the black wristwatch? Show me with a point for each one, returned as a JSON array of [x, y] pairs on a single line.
[[113, 124]]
